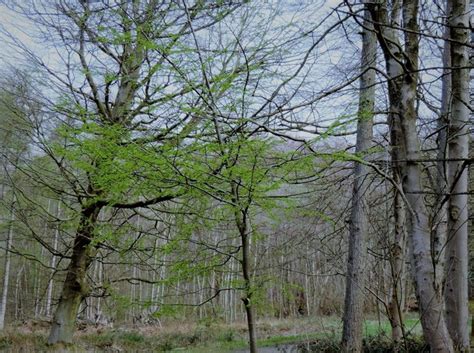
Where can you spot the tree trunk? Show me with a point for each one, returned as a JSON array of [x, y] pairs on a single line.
[[440, 221], [429, 299], [75, 286], [49, 292], [456, 292], [247, 299], [241, 221], [6, 277], [397, 256], [356, 263], [402, 95]]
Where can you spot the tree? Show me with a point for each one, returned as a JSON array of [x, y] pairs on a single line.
[[402, 70], [456, 292], [130, 73], [356, 265], [14, 117]]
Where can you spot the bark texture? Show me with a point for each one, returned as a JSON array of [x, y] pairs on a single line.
[[49, 291], [247, 299], [397, 261], [402, 68], [456, 291], [75, 287], [356, 263], [241, 220], [440, 217]]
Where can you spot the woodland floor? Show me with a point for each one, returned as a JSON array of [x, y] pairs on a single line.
[[319, 334]]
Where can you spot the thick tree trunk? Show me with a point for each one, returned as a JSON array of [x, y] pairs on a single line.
[[356, 263], [402, 96], [75, 287], [456, 292], [6, 276], [430, 302], [429, 298]]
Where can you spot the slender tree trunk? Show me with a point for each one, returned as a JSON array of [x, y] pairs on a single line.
[[397, 154], [440, 220], [356, 263], [6, 277], [49, 292], [471, 150], [18, 291], [397, 256], [75, 286], [247, 299], [456, 292], [241, 222]]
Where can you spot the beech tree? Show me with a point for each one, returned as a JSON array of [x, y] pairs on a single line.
[[357, 263], [456, 292], [194, 159], [402, 70], [124, 69]]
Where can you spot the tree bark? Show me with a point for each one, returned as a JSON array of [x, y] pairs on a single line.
[[49, 291], [456, 291], [247, 299], [356, 263], [241, 222], [440, 221], [397, 257], [402, 68], [75, 287]]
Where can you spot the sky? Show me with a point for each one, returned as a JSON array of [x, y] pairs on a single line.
[[331, 61]]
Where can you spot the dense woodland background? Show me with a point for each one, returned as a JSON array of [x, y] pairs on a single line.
[[230, 161]]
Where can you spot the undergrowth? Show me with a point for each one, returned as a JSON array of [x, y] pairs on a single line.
[[374, 344]]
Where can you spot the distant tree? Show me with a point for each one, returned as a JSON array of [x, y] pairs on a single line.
[[15, 114]]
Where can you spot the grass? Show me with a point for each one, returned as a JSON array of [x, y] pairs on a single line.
[[203, 338], [324, 336]]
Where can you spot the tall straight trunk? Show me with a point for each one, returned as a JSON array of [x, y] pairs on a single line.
[[397, 245], [6, 277], [440, 220], [471, 148], [402, 68], [75, 287], [356, 263], [456, 292], [247, 299]]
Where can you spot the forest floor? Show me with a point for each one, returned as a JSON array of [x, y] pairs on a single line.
[[203, 337]]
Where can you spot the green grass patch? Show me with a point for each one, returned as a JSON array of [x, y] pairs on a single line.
[[322, 333]]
